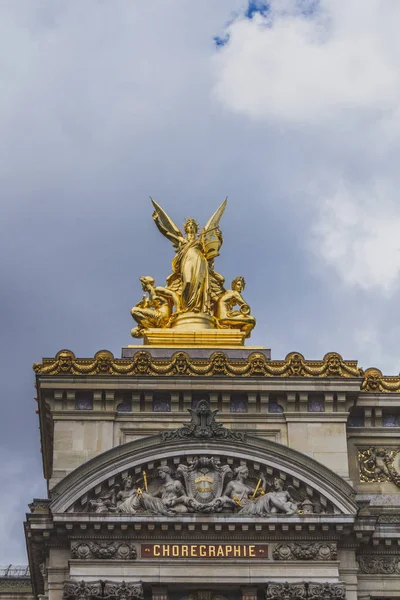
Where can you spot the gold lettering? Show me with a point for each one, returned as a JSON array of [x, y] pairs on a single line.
[[211, 551], [165, 550], [220, 551], [244, 551], [252, 550], [203, 550], [236, 550], [193, 551], [175, 550], [228, 550], [156, 550], [185, 550]]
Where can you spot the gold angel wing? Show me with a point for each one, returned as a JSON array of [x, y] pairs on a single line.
[[213, 221], [211, 235], [166, 225]]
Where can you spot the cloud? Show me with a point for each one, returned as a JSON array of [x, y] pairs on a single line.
[[305, 67], [358, 233], [328, 73]]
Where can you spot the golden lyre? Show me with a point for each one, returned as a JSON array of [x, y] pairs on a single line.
[[145, 481], [256, 490]]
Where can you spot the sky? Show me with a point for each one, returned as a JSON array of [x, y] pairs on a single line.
[[291, 109]]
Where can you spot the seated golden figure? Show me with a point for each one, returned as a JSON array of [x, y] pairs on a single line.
[[154, 310], [235, 319]]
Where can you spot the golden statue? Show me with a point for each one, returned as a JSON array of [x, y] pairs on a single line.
[[193, 276], [194, 299], [240, 319]]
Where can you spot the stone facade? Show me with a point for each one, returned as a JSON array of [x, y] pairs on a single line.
[[209, 474]]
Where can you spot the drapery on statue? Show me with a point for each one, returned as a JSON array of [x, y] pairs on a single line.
[[194, 288]]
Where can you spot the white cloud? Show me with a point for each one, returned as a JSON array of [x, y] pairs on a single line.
[[331, 79], [358, 232], [304, 68]]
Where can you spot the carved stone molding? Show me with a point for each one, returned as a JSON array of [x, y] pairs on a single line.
[[314, 551], [305, 591], [82, 590], [379, 565], [122, 591], [116, 550], [143, 363]]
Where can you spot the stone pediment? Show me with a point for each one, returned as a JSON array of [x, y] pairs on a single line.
[[205, 469]]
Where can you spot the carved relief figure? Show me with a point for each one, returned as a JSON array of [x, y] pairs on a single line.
[[237, 490], [128, 499], [276, 501], [237, 319], [171, 493]]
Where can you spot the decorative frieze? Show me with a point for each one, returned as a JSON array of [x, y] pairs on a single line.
[[116, 550], [314, 551], [379, 565], [102, 590], [305, 591]]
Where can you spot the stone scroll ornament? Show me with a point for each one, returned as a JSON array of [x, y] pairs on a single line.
[[106, 550], [203, 426], [82, 590], [102, 590], [314, 551], [378, 464]]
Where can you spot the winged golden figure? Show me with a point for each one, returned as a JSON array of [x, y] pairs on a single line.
[[193, 277]]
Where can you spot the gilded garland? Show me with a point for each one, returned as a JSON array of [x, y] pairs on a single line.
[[181, 364]]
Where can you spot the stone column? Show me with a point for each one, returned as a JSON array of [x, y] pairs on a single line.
[[174, 401], [148, 402], [226, 402], [252, 402]]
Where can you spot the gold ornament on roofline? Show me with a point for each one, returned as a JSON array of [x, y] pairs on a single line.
[[194, 306], [181, 364]]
